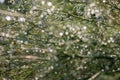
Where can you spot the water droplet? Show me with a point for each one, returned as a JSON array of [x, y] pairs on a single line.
[[52, 9], [21, 19], [8, 18], [104, 1], [43, 2], [49, 11], [66, 33], [118, 68], [84, 27], [27, 51], [39, 22], [49, 49], [61, 33], [42, 30], [49, 3]]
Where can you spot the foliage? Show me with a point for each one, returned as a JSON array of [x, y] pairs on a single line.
[[60, 40]]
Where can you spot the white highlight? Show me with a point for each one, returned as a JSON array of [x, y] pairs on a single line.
[[43, 2], [84, 27], [8, 18], [61, 34], [49, 3], [104, 1], [21, 19], [2, 1]]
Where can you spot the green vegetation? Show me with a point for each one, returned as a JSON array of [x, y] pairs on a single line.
[[60, 40]]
